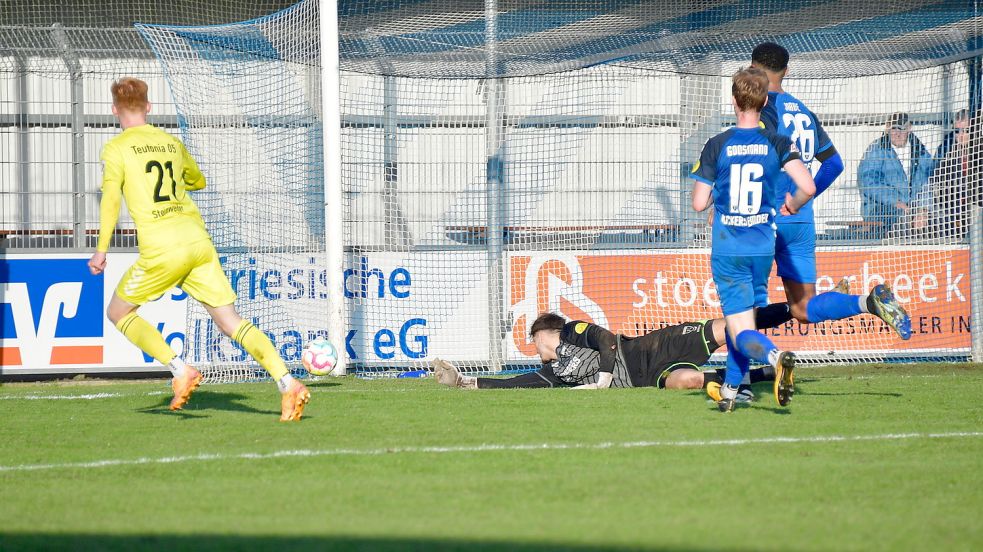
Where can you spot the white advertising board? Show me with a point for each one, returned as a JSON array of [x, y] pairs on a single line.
[[402, 307], [401, 310]]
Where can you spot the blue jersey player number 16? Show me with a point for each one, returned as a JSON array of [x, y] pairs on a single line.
[[746, 187], [740, 173]]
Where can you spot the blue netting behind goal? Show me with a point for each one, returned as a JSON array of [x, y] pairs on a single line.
[[829, 38]]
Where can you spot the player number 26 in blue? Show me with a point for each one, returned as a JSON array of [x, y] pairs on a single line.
[[746, 188], [803, 136]]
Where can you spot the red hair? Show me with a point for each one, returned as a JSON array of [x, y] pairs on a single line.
[[130, 94]]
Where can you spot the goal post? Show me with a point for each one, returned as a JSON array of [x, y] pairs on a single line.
[[478, 163], [337, 318]]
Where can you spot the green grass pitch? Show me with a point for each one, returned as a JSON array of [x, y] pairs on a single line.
[[866, 458]]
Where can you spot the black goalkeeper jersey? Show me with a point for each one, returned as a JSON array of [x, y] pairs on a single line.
[[586, 349]]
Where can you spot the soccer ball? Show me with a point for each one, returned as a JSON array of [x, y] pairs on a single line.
[[320, 357]]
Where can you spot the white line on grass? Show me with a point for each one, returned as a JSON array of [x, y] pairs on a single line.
[[88, 397], [486, 448]]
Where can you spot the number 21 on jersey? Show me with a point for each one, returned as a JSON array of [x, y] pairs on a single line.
[[154, 167], [746, 188]]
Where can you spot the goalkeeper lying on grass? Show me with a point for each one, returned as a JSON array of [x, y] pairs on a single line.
[[586, 356]]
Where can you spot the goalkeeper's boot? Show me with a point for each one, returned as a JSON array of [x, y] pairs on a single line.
[[728, 397], [744, 393], [784, 378], [446, 373], [183, 386], [293, 401], [842, 287], [882, 303]]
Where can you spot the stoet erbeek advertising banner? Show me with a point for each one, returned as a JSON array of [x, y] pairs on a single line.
[[633, 293]]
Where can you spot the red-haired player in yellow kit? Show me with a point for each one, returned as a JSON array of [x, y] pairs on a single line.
[[154, 172]]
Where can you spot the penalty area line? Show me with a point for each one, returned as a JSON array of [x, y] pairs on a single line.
[[305, 453]]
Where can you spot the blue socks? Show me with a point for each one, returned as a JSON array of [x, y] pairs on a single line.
[[737, 364], [756, 346], [832, 306], [750, 345]]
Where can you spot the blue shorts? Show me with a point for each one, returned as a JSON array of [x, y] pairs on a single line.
[[795, 252], [742, 282]]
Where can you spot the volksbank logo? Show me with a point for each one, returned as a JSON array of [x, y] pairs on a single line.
[[51, 313]]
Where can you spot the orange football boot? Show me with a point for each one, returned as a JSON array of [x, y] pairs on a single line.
[[184, 386], [293, 401]]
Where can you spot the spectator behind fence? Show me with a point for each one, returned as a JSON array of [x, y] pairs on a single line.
[[962, 117], [944, 209], [894, 170]]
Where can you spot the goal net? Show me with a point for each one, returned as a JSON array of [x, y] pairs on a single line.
[[503, 159]]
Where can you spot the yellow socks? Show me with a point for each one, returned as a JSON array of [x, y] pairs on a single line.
[[146, 337], [255, 342], [261, 348]]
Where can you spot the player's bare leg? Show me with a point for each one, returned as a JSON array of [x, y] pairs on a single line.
[[799, 295], [718, 327], [294, 395], [685, 379], [149, 340]]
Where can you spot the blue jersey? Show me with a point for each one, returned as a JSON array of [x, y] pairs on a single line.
[[744, 166], [789, 117]]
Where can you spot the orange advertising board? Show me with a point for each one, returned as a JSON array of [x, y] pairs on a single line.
[[633, 293]]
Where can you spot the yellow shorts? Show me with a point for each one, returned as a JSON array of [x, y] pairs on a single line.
[[193, 267]]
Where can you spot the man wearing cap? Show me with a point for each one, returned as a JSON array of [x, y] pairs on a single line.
[[892, 174]]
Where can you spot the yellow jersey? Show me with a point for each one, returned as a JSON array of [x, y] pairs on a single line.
[[154, 172]]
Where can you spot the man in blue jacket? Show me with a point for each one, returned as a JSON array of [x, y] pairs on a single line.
[[892, 174]]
